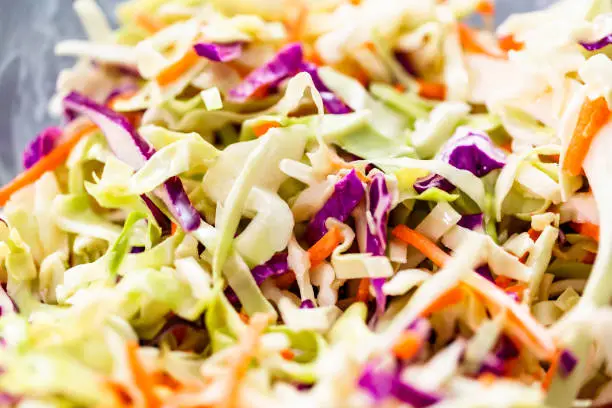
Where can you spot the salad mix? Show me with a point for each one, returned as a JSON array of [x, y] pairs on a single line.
[[322, 203]]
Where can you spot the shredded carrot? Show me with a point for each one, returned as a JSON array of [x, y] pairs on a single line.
[[173, 229], [449, 298], [399, 88], [432, 90], [314, 57], [552, 370], [519, 289], [594, 114], [142, 379], [422, 243], [122, 397], [589, 258], [177, 69], [149, 23], [262, 128], [407, 346], [363, 291], [50, 162], [510, 365], [469, 40], [248, 345], [507, 146], [285, 280], [243, 317], [507, 43], [287, 354], [587, 229], [325, 246], [503, 281], [487, 379], [121, 97], [533, 234], [486, 8], [295, 28]]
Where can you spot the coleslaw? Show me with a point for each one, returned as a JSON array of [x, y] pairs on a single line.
[[324, 203]]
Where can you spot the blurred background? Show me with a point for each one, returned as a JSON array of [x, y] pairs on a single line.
[[29, 30]]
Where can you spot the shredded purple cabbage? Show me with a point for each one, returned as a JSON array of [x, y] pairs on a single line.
[[597, 45], [307, 304], [567, 362], [471, 221], [382, 385], [160, 218], [492, 365], [469, 150], [404, 59], [134, 150], [506, 349], [277, 265], [41, 146], [379, 205], [219, 52], [120, 90], [286, 63], [423, 184], [485, 272], [331, 102], [348, 192]]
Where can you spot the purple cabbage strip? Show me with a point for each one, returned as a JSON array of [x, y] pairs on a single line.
[[219, 52], [120, 90], [277, 265], [41, 146], [485, 272], [472, 221], [567, 362], [331, 102], [307, 304], [423, 184], [284, 64], [404, 59], [134, 150], [379, 201], [473, 151], [506, 349], [381, 385], [469, 150], [348, 192], [137, 250], [162, 221], [599, 44]]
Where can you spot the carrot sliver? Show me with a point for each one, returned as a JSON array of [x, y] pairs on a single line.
[[325, 246], [587, 229], [533, 234], [363, 291], [449, 298], [552, 370], [149, 23], [503, 281], [295, 28], [262, 128], [593, 115], [519, 289], [142, 379], [177, 69], [486, 8], [173, 229], [469, 40], [50, 162], [285, 280], [287, 354], [507, 43], [432, 90], [422, 243], [407, 346]]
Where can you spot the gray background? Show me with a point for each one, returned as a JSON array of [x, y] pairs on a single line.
[[29, 30]]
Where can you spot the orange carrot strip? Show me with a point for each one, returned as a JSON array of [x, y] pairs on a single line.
[[262, 128], [486, 8], [295, 28], [363, 291], [150, 24], [503, 281], [47, 163], [142, 380], [487, 379], [173, 229], [589, 258], [519, 289], [586, 228], [533, 234], [399, 88], [287, 354], [449, 298], [469, 40], [422, 243], [177, 69], [432, 90], [325, 246], [593, 116], [407, 346], [552, 370], [507, 43], [243, 317]]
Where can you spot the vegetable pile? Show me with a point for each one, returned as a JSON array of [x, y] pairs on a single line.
[[316, 204]]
